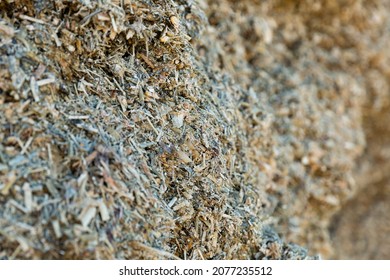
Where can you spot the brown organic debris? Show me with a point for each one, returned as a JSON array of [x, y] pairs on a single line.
[[181, 130]]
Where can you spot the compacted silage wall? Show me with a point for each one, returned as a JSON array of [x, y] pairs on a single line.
[[188, 129]]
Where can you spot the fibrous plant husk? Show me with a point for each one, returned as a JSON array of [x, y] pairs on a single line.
[[180, 129]]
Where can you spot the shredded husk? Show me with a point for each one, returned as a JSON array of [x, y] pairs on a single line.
[[172, 129]]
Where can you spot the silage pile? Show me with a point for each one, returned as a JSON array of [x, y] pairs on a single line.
[[178, 129]]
